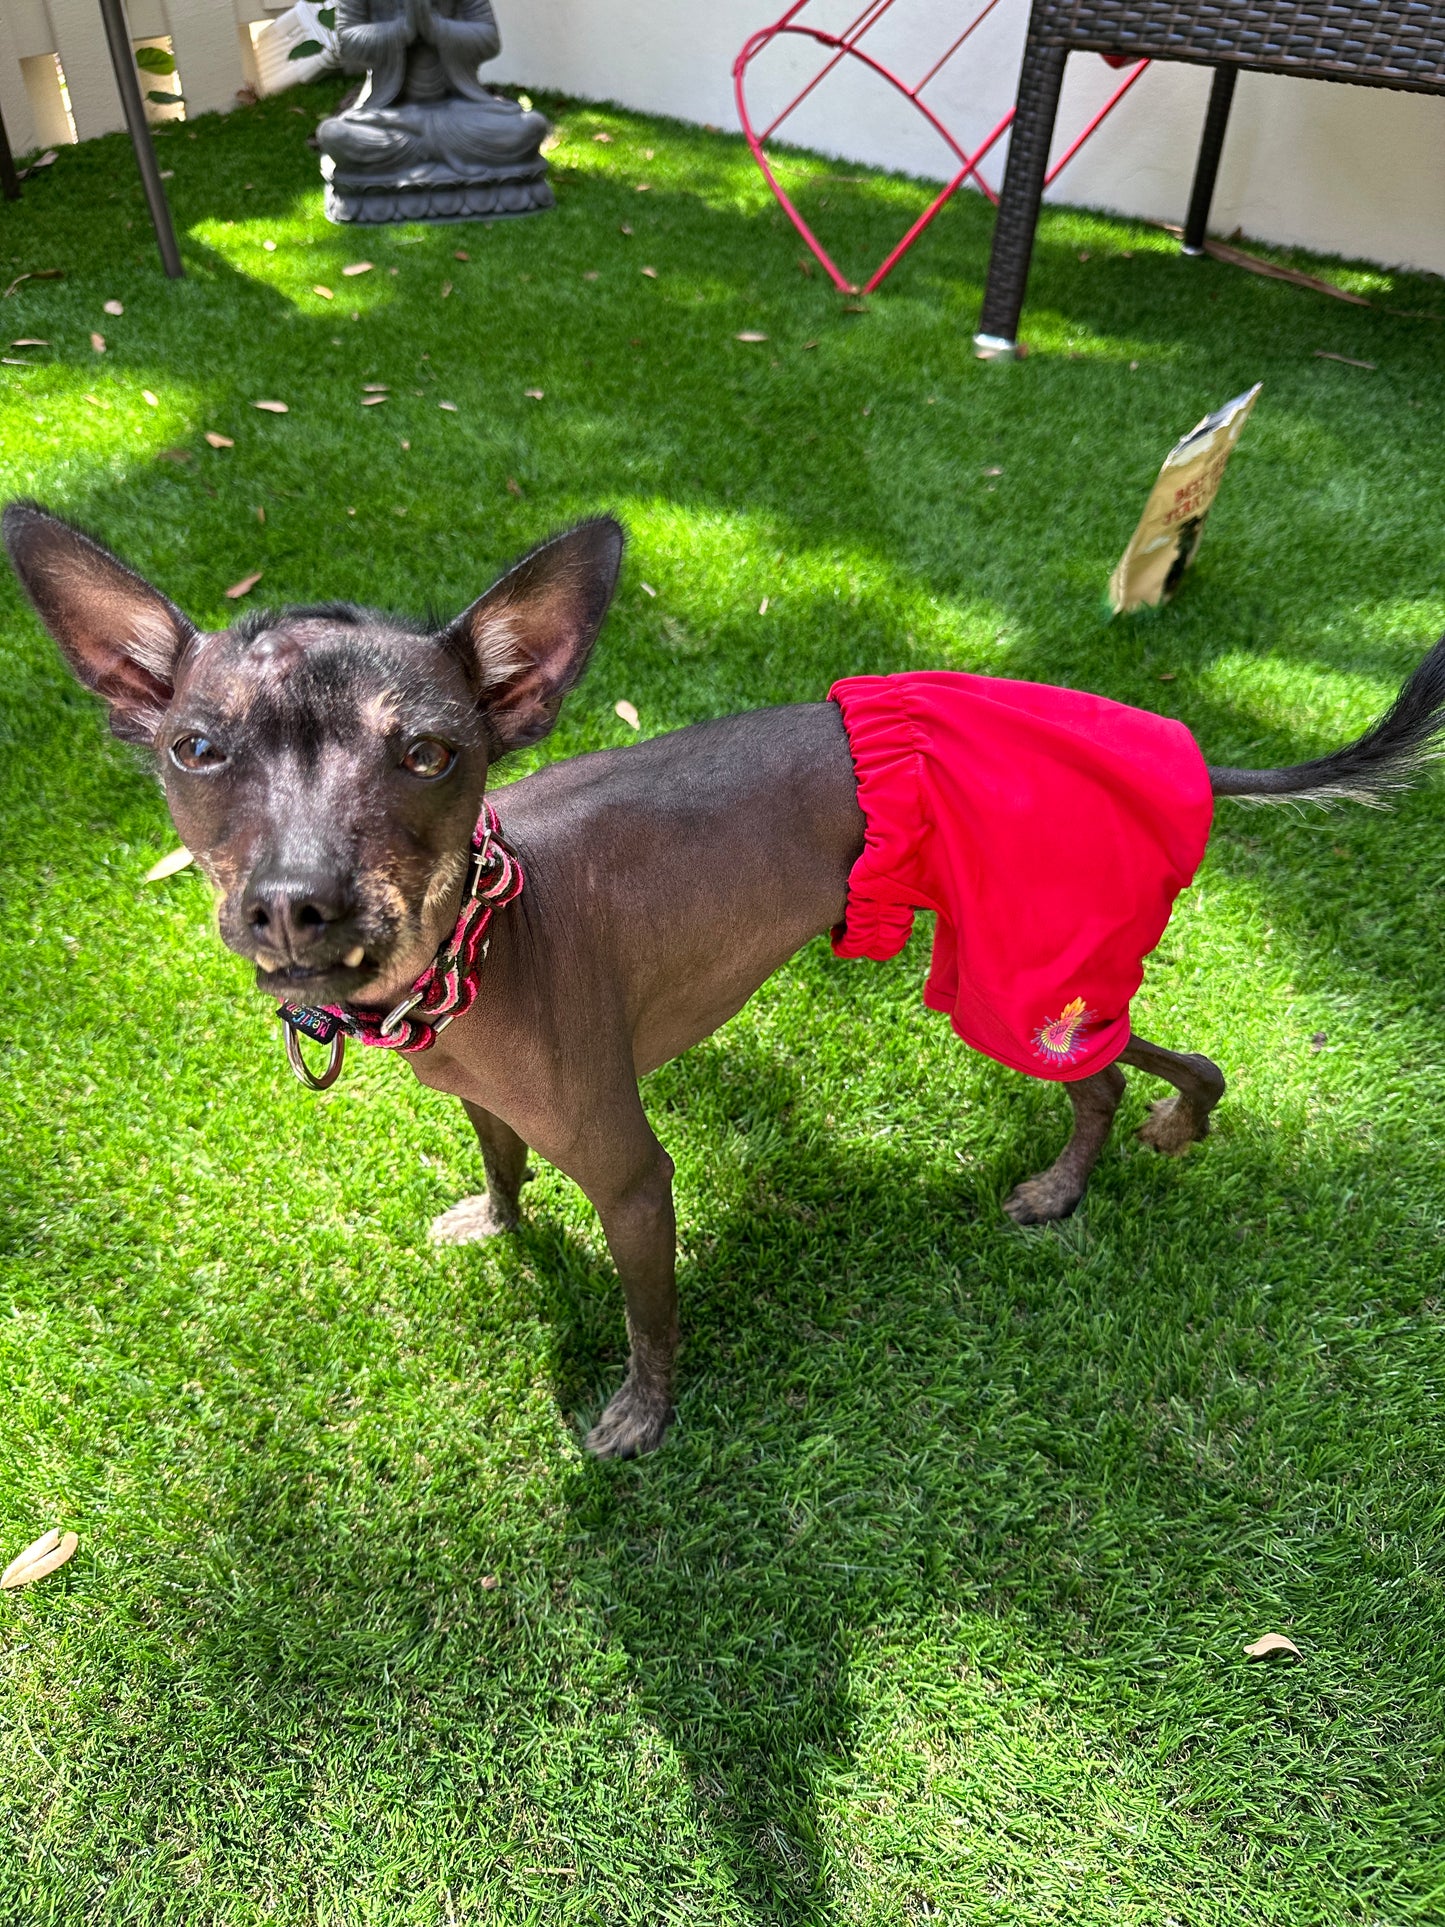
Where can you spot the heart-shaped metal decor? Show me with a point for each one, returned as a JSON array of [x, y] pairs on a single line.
[[837, 47]]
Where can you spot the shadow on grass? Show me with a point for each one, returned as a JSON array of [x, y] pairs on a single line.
[[898, 1415]]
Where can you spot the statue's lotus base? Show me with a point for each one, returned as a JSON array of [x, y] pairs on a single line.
[[487, 195]]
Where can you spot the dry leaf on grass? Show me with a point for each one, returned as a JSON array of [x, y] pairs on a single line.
[[651, 273], [647, 589], [244, 586], [35, 274], [809, 344], [98, 343], [605, 139], [628, 714], [113, 307], [150, 398], [763, 606], [269, 246], [449, 406], [750, 334], [50, 1550], [272, 407], [357, 267], [370, 401], [461, 255], [626, 228], [446, 289], [375, 387], [14, 361], [1323, 354], [168, 865], [30, 341], [218, 441], [1268, 1643], [1237, 258], [514, 487], [260, 513], [325, 293], [535, 394], [95, 401]]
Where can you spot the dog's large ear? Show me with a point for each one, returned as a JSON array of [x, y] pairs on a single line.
[[122, 638], [527, 640]]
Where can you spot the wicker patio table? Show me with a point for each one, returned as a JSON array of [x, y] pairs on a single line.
[[1399, 45]]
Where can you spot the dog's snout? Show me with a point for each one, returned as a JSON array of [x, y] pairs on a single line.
[[292, 913]]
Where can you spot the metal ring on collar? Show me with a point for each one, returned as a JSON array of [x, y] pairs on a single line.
[[303, 1070], [392, 1020]]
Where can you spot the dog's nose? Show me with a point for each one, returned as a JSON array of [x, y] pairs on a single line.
[[293, 913]]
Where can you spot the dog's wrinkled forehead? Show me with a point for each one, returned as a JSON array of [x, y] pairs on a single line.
[[303, 678]]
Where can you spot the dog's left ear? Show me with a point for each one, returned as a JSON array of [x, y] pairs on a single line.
[[527, 640]]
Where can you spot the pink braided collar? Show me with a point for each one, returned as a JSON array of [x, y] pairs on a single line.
[[446, 988]]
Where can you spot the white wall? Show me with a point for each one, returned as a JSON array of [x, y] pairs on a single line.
[[1348, 170], [208, 39]]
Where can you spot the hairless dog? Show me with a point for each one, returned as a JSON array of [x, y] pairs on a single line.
[[326, 766]]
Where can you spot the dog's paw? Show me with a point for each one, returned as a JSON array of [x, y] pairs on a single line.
[[469, 1222], [1172, 1126], [635, 1421], [1040, 1200]]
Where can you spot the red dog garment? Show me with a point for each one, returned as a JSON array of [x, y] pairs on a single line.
[[1049, 830]]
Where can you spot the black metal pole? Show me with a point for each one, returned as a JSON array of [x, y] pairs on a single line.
[[9, 179], [1211, 146], [122, 58]]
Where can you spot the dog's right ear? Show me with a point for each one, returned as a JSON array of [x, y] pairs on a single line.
[[527, 640], [122, 638]]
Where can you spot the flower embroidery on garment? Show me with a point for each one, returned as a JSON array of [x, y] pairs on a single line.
[[1062, 1038]]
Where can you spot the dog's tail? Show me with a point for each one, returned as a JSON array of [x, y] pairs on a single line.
[[1387, 757]]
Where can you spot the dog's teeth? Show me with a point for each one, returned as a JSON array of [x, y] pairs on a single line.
[[261, 964], [354, 957]]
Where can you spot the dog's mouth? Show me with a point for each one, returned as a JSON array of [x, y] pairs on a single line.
[[334, 981]]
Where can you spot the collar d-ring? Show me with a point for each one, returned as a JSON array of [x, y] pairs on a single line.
[[335, 1055]]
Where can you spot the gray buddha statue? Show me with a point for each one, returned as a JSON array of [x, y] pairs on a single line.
[[425, 140]]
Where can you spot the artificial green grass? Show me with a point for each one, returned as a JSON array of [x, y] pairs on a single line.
[[933, 1605]]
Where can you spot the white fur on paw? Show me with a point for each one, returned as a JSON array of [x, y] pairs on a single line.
[[469, 1222]]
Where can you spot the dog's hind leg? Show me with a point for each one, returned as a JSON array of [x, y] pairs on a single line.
[[1055, 1192], [1174, 1123], [504, 1158]]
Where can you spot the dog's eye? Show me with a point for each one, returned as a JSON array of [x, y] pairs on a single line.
[[428, 757], [197, 753]]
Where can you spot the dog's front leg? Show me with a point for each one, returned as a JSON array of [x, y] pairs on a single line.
[[504, 1159], [633, 1198]]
